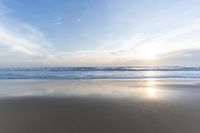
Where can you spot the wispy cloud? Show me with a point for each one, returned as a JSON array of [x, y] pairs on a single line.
[[142, 45], [57, 21], [19, 39], [183, 57], [24, 39]]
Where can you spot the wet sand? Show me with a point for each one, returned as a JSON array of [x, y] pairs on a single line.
[[100, 106]]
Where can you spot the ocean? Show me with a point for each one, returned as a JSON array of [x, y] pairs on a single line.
[[80, 73]]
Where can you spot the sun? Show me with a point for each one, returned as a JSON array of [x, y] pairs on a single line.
[[148, 55]]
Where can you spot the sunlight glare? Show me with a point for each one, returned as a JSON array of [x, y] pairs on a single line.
[[149, 55], [151, 92]]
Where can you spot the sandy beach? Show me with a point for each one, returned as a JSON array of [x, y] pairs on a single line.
[[100, 106]]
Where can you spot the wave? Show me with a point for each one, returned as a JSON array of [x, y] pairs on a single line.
[[99, 72], [165, 68]]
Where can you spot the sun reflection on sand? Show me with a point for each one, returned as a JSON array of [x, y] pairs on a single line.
[[151, 90]]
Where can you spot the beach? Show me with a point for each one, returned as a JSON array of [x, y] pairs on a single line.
[[100, 106]]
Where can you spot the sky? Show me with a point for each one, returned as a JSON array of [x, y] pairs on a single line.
[[99, 33]]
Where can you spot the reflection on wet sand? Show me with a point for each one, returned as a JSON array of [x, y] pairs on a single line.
[[152, 90], [101, 88], [100, 106], [146, 89]]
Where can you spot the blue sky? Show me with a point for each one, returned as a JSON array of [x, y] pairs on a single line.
[[99, 32]]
